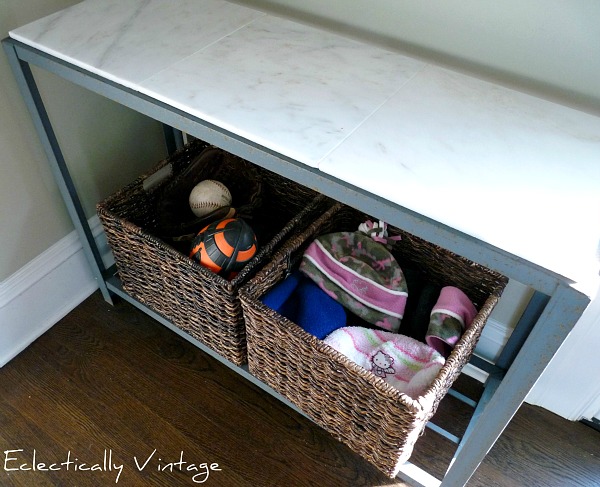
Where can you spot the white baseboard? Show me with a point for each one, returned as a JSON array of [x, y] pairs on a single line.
[[493, 338], [42, 292]]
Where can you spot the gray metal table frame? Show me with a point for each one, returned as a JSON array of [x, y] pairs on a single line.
[[547, 320]]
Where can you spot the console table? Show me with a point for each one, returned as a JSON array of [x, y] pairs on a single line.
[[505, 179]]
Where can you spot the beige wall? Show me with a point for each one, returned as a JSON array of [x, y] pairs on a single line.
[[104, 144], [549, 46]]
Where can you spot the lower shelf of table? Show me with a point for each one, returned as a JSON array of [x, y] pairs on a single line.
[[410, 473]]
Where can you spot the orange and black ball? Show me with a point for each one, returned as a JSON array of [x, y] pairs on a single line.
[[224, 246]]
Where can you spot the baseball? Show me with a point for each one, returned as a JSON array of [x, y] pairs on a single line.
[[207, 196]]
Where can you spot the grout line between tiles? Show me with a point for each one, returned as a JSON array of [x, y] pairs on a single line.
[[370, 115], [241, 27]]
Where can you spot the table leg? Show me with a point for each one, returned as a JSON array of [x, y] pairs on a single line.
[[560, 315], [37, 110], [173, 138]]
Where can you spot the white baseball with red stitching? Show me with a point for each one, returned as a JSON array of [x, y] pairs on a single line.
[[207, 196]]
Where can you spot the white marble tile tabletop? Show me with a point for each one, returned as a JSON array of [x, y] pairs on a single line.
[[513, 170], [279, 83], [517, 172]]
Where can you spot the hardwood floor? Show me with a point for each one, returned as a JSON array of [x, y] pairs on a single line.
[[108, 396]]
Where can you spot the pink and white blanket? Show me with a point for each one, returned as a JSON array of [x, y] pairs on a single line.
[[405, 363]]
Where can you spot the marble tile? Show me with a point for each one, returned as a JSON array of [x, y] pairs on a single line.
[[289, 87], [127, 41], [513, 170]]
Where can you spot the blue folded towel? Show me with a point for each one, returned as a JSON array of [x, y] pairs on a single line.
[[279, 296], [300, 300]]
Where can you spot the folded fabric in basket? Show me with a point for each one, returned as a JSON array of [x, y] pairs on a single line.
[[405, 363], [300, 300], [359, 273], [451, 315]]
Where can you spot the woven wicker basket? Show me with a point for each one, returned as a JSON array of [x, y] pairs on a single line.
[[357, 407], [203, 304]]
